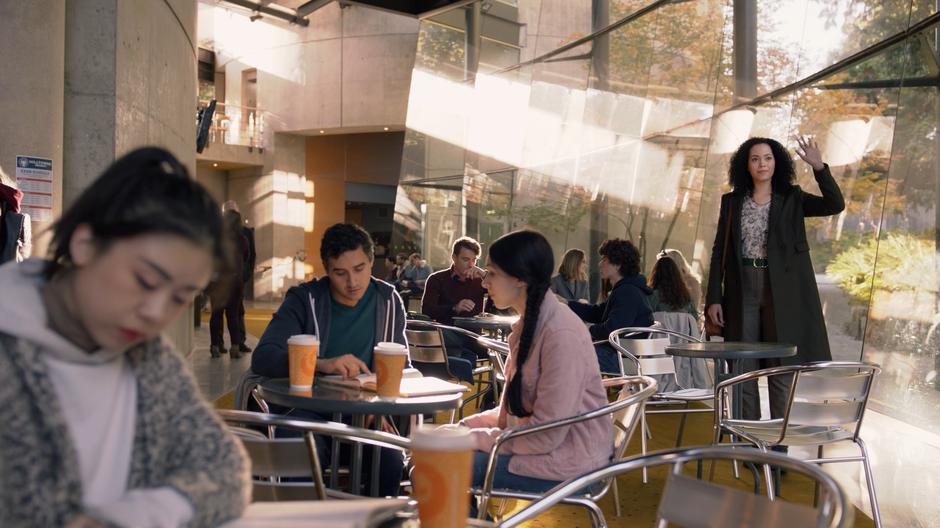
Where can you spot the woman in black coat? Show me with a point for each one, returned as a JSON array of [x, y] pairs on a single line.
[[769, 289]]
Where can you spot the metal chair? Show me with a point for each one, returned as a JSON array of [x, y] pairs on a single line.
[[429, 355], [625, 412], [650, 359], [274, 459], [826, 405], [695, 503]]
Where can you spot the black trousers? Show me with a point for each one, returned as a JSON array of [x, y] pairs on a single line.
[[759, 324], [230, 310]]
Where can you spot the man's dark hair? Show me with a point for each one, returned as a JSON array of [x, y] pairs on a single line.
[[622, 253], [466, 243], [340, 238]]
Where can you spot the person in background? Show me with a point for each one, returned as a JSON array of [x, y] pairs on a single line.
[[228, 290], [571, 283], [415, 274], [457, 291], [627, 304], [692, 280], [391, 269], [766, 290], [350, 312], [104, 423], [15, 226], [248, 275], [550, 374], [670, 294]]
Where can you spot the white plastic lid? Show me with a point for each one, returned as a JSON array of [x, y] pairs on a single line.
[[442, 438], [303, 339], [393, 349]]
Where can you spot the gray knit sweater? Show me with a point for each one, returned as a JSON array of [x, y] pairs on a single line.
[[178, 441]]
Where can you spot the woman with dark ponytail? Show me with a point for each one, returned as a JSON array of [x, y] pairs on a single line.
[[551, 373]]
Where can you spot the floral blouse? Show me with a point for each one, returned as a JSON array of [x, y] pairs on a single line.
[[754, 227]]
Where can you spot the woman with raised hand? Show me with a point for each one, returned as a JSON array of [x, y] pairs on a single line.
[[551, 374], [103, 422], [761, 286]]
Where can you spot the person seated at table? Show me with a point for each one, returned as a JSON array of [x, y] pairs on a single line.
[[415, 274], [350, 312], [670, 293], [571, 282], [550, 374], [104, 424], [627, 304], [457, 290]]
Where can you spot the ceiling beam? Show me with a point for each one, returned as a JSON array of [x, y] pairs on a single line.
[[311, 6], [264, 9]]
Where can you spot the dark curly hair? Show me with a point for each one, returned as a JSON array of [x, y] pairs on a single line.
[[667, 280], [621, 253], [466, 243], [527, 256], [340, 238], [740, 179]]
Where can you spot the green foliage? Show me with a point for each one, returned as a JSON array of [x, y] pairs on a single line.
[[904, 263]]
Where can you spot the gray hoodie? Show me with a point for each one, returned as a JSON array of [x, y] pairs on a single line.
[[102, 433]]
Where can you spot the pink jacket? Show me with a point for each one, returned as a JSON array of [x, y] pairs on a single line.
[[561, 378]]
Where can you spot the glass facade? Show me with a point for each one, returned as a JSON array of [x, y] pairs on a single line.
[[629, 134]]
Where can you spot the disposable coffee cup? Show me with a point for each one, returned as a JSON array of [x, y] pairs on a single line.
[[389, 362], [302, 353], [443, 469]]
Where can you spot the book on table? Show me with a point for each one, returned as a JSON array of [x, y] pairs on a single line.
[[413, 383]]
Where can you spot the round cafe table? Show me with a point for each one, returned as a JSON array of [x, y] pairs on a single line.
[[728, 356], [336, 400]]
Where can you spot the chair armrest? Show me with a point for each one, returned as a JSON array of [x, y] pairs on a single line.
[[524, 430]]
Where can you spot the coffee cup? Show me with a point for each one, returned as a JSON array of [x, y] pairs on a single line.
[[443, 469], [302, 353], [389, 362]]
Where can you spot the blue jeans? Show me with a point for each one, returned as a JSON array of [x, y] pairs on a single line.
[[607, 358], [503, 479]]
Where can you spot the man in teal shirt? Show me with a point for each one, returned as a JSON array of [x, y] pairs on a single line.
[[350, 311]]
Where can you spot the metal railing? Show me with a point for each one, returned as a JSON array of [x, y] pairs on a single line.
[[237, 125]]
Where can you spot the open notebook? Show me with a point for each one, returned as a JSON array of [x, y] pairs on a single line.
[[413, 383], [318, 514]]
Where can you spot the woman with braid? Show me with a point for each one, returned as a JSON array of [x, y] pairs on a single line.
[[551, 373]]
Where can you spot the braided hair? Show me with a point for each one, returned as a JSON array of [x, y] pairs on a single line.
[[527, 256]]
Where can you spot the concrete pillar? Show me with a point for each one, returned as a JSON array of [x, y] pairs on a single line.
[[130, 81], [31, 62]]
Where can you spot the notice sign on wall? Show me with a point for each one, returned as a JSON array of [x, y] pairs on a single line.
[[34, 178]]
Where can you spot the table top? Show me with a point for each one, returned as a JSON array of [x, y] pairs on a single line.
[[495, 322], [325, 398], [731, 350]]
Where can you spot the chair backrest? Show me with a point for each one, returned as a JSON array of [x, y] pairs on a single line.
[[650, 354], [627, 415], [832, 393], [273, 459], [426, 345], [699, 504]]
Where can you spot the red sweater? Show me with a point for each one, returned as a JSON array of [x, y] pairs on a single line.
[[444, 290]]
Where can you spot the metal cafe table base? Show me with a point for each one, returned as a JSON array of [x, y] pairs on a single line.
[[337, 401], [728, 356]]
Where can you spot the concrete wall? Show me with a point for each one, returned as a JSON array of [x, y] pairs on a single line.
[[351, 67], [32, 34], [130, 80], [215, 181]]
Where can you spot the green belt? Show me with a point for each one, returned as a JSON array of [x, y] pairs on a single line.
[[757, 263]]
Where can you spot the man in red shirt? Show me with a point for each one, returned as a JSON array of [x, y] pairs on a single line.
[[457, 291]]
